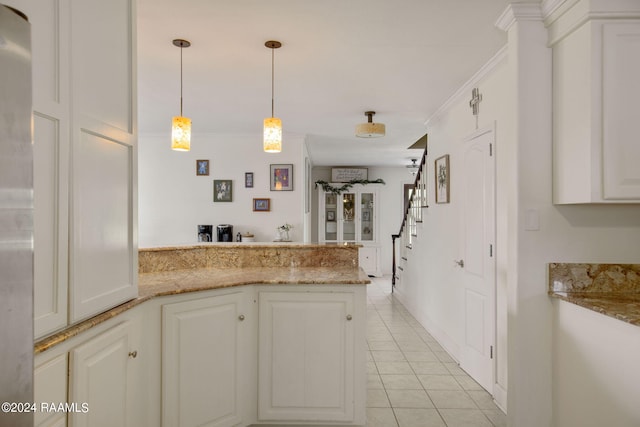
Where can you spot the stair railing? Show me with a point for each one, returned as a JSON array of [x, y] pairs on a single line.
[[411, 218]]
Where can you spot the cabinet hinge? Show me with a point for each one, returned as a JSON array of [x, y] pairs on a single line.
[[490, 250], [491, 352], [490, 149]]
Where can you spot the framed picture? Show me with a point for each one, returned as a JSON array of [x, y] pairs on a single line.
[[331, 215], [222, 190], [202, 167], [348, 174], [248, 180], [261, 205], [281, 177], [442, 173], [366, 216]]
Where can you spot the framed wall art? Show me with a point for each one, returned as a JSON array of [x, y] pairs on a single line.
[[202, 167], [281, 177], [261, 205], [222, 190], [248, 180], [442, 173]]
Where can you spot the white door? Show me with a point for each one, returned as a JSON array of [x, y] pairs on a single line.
[[478, 255]]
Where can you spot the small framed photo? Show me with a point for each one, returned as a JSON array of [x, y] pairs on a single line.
[[248, 180], [261, 205], [202, 167], [366, 216], [442, 173], [331, 215], [281, 177], [222, 190]]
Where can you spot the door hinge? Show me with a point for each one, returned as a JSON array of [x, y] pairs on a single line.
[[490, 250], [491, 352], [490, 149]]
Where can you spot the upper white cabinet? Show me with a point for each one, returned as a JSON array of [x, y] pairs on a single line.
[[85, 165], [352, 216], [596, 89]]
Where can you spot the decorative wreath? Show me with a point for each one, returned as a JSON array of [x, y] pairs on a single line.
[[328, 188]]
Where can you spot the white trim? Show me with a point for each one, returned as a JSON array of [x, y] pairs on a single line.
[[464, 90], [519, 12]]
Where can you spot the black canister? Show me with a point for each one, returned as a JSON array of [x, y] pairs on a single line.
[[225, 233]]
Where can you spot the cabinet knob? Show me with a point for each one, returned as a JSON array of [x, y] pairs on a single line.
[[133, 354], [349, 317], [241, 317]]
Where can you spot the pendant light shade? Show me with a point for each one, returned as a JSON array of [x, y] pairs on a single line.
[[272, 140], [370, 129], [181, 126]]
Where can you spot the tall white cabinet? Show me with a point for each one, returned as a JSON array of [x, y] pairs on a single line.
[[85, 166], [352, 216]]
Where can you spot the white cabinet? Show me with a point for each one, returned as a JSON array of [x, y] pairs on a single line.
[[85, 165], [311, 357], [103, 383], [595, 109], [50, 386], [205, 361], [352, 216]]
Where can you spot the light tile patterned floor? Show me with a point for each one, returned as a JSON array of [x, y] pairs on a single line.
[[412, 380]]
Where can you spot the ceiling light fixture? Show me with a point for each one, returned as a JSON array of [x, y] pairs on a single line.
[[272, 142], [413, 167], [370, 129], [181, 126]]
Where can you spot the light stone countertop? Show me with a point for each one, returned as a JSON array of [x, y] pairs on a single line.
[[151, 285], [609, 289]]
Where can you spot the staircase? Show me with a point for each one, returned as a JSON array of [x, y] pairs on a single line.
[[403, 241]]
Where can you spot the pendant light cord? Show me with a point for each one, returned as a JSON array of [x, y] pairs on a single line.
[[272, 79], [181, 48]]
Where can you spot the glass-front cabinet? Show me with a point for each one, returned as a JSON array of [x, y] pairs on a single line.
[[352, 216]]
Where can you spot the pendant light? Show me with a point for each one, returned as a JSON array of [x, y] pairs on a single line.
[[272, 142], [370, 129], [181, 126]]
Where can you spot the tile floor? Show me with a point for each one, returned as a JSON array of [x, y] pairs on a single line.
[[412, 381]]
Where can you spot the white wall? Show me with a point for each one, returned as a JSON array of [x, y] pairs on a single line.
[[390, 204], [173, 200], [595, 369], [517, 97]]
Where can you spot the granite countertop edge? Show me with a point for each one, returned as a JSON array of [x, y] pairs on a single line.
[[152, 285], [620, 306]]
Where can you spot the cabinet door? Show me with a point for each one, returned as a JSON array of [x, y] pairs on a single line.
[[101, 379], [50, 387], [306, 357], [202, 362]]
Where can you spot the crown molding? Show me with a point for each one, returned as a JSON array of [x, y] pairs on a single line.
[[466, 88], [518, 12]]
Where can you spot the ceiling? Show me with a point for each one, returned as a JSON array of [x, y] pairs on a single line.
[[339, 58]]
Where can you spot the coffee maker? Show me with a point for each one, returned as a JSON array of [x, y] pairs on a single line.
[[225, 233]]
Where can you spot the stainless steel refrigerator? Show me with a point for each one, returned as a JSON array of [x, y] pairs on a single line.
[[16, 220]]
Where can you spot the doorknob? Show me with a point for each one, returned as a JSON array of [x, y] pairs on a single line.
[[459, 262]]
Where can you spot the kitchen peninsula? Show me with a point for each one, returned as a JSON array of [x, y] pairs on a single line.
[[223, 334]]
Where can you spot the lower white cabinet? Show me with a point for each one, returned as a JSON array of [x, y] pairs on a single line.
[[102, 381], [50, 386], [204, 361], [311, 364]]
